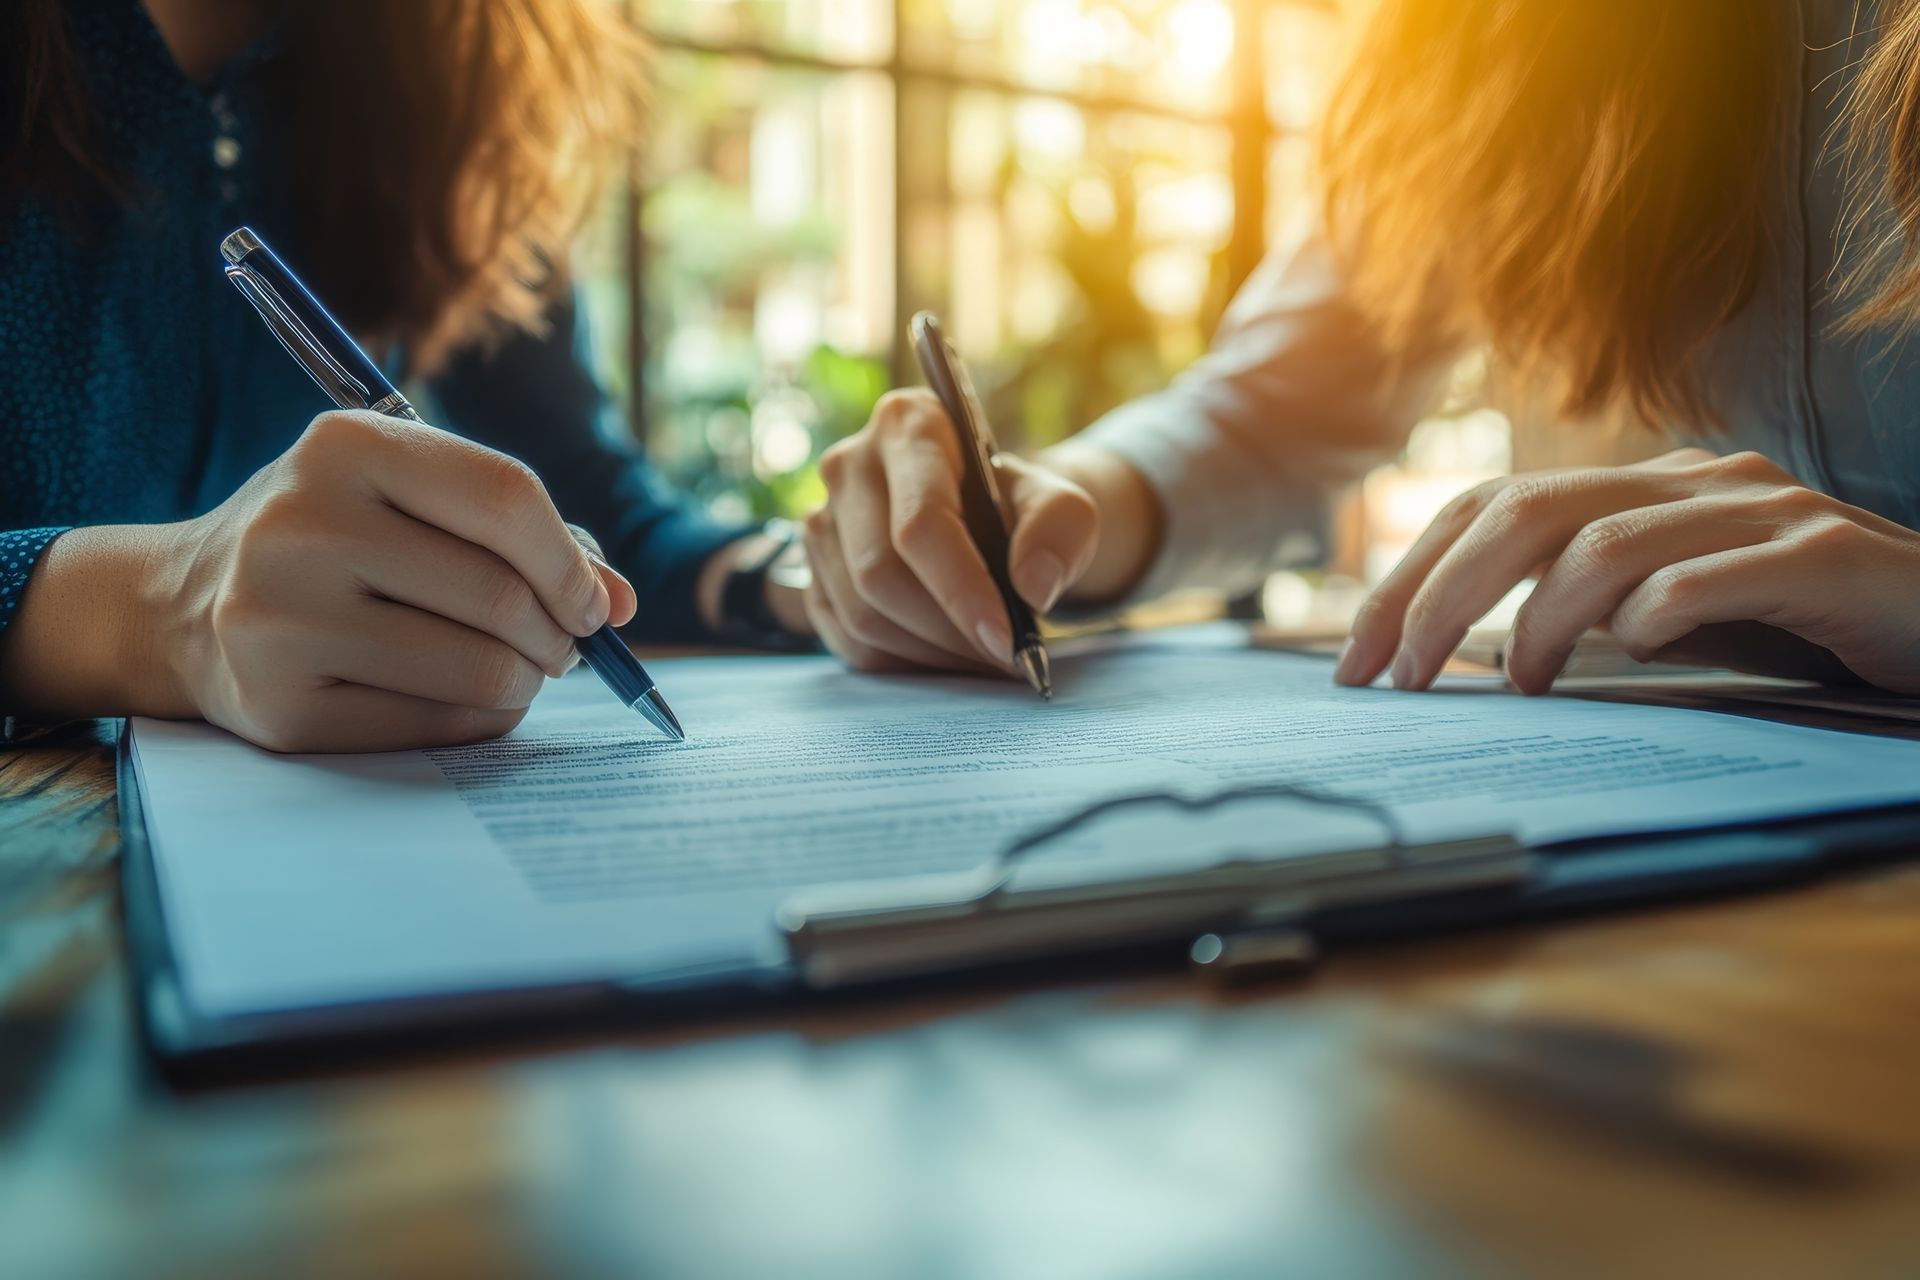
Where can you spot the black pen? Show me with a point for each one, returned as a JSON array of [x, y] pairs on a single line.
[[313, 337], [980, 504]]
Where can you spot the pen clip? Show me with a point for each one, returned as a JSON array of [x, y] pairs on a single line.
[[347, 391]]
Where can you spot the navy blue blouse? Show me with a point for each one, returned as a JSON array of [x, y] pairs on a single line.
[[136, 385]]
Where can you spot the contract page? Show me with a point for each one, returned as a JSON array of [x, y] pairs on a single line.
[[585, 846]]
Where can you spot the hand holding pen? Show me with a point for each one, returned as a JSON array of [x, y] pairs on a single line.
[[935, 550], [380, 585]]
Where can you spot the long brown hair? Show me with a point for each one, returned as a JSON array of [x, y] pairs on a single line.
[[1583, 185], [450, 149]]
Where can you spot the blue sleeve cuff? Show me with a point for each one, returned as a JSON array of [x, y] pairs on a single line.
[[20, 552]]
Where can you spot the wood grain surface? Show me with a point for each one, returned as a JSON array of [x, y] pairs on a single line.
[[1722, 1089]]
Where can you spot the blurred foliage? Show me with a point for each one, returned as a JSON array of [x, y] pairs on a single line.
[[707, 255], [1111, 347]]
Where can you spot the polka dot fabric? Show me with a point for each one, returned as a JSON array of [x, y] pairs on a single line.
[[19, 551]]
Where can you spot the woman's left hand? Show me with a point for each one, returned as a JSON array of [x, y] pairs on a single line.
[[1654, 551]]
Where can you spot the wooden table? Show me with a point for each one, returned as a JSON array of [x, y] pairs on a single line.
[[1722, 1089]]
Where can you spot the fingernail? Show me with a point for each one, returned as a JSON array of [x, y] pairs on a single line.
[[996, 640], [1405, 669], [599, 607], [1045, 578], [598, 562]]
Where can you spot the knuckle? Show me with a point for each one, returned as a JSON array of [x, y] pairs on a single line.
[[1372, 615], [1794, 503], [1423, 614], [1831, 534], [837, 462], [507, 485], [1599, 546], [873, 571], [1521, 503], [338, 429], [863, 625], [817, 528], [917, 530], [497, 677], [1750, 465], [899, 405], [1672, 590], [1466, 506], [503, 596]]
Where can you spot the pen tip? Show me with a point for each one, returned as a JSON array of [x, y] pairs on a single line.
[[1033, 664], [654, 707]]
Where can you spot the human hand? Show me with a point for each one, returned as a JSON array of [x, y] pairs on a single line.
[[1656, 552], [381, 585], [897, 582]]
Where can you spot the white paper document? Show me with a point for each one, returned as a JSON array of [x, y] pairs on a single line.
[[584, 846]]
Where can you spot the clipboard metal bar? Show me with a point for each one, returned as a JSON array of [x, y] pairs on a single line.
[[860, 934]]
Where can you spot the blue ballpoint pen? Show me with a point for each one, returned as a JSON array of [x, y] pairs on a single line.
[[323, 348]]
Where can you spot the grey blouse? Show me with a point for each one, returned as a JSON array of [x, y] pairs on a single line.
[[1294, 400]]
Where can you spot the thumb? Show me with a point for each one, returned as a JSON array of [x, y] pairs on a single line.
[[1055, 529]]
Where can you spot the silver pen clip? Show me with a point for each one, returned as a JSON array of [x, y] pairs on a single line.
[[346, 390]]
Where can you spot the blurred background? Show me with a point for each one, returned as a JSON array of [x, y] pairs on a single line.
[[1076, 186]]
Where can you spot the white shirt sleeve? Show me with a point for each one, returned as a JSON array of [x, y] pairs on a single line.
[[1245, 449]]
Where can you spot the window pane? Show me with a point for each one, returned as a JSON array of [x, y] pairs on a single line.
[[1077, 257], [841, 30], [767, 273], [1172, 53]]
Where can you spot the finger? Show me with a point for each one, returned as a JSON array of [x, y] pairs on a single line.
[[622, 601], [840, 644], [857, 618], [352, 717], [406, 650], [417, 564], [1382, 616], [922, 463], [1603, 563], [860, 514], [1056, 528], [483, 496], [1761, 583], [1529, 521]]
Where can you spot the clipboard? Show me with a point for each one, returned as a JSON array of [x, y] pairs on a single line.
[[1479, 885]]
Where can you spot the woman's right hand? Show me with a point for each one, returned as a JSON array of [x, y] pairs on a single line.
[[381, 585], [897, 583]]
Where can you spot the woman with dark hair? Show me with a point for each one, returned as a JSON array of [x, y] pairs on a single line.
[[180, 534], [1704, 216]]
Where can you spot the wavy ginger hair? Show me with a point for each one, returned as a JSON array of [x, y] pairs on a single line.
[[1582, 185], [450, 150]]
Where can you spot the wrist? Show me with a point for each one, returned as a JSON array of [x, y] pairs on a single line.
[[1130, 524], [781, 604], [90, 636]]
